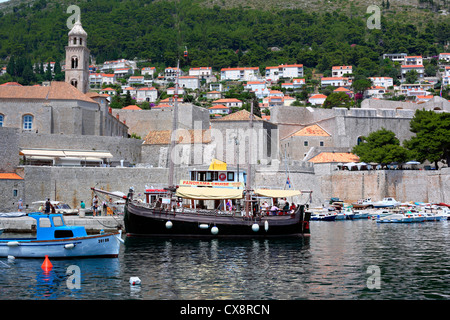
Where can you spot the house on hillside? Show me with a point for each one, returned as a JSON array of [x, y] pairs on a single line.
[[203, 73], [230, 102], [335, 82], [384, 82], [219, 109], [189, 82], [420, 69], [445, 57], [340, 71], [146, 94], [148, 71], [133, 80], [284, 71], [413, 60], [240, 74], [317, 99]]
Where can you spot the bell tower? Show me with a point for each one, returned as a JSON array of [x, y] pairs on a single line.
[[77, 58]]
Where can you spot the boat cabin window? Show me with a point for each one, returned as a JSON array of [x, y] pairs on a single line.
[[44, 222], [58, 221], [63, 234], [230, 176]]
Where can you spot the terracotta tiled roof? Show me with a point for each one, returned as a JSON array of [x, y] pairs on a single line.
[[163, 137], [219, 106], [56, 91], [318, 96], [132, 107], [326, 157], [314, 130], [11, 84], [241, 115], [10, 176]]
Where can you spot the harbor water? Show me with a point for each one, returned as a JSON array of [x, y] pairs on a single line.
[[357, 259]]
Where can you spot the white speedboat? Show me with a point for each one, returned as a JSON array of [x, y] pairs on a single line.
[[388, 202]]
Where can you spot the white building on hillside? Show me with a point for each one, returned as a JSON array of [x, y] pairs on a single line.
[[284, 71], [240, 74], [340, 71], [385, 82], [146, 94]]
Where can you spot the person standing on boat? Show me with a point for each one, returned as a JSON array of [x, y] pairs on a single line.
[[48, 206], [95, 205]]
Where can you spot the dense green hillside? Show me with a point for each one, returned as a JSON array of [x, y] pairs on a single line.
[[220, 36]]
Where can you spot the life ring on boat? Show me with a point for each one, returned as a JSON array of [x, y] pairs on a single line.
[[222, 176]]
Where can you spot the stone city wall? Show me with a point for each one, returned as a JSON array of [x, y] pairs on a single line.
[[403, 185]]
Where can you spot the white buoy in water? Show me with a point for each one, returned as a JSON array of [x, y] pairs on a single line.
[[169, 224], [135, 281], [214, 230], [255, 227], [266, 225]]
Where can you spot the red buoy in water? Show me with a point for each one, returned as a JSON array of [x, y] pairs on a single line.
[[47, 265]]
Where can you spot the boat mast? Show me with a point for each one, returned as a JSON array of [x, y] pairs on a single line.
[[249, 165], [174, 130]]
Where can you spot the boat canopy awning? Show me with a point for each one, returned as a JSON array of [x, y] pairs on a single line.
[[42, 153], [88, 154], [84, 154], [271, 193], [208, 193]]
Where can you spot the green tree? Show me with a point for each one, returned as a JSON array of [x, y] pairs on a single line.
[[59, 75], [361, 85], [337, 99], [381, 146], [432, 139], [411, 76]]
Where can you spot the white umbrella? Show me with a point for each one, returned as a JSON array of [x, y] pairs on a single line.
[[413, 162]]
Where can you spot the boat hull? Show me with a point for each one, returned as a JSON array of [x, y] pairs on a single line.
[[105, 245], [145, 222]]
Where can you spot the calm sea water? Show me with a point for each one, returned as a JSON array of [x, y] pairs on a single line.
[[413, 262]]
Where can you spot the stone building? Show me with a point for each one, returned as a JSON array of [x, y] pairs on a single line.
[[57, 108]]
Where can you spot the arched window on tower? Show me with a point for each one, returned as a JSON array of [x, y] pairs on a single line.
[[74, 63], [74, 83], [81, 41], [75, 40]]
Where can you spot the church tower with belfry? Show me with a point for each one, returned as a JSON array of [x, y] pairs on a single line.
[[77, 58]]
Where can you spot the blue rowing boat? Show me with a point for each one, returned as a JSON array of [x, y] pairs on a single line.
[[57, 240]]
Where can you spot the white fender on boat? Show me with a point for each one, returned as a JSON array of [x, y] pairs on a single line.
[[203, 226], [69, 246], [214, 230], [169, 224], [266, 225], [255, 227], [13, 243]]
